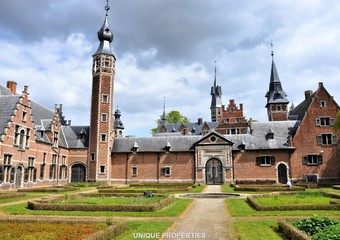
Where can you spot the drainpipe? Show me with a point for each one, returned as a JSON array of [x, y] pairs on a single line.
[[126, 168], [158, 162], [194, 162], [232, 166]]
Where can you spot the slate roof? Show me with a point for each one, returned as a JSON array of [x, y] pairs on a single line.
[[74, 136], [194, 128], [300, 110], [254, 140], [7, 105]]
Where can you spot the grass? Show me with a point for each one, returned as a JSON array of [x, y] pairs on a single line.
[[174, 209], [15, 199], [303, 198], [139, 227], [257, 230], [56, 231], [240, 208], [111, 200]]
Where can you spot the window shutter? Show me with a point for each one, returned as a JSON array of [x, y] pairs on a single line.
[[26, 175], [334, 139], [272, 160], [331, 121], [304, 160], [320, 160], [317, 121], [319, 140], [1, 172], [35, 175], [258, 161], [12, 174]]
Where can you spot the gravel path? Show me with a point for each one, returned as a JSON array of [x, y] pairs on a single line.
[[204, 219]]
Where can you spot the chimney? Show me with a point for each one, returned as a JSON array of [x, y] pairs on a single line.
[[241, 106], [12, 86], [308, 93], [199, 121], [59, 108], [25, 89], [320, 84], [186, 131]]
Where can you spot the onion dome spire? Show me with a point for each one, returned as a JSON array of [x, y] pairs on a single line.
[[105, 35]]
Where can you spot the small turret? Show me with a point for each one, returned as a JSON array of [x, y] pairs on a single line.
[[216, 101], [118, 124]]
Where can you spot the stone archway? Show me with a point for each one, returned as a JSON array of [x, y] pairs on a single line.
[[78, 173], [282, 175], [214, 172]]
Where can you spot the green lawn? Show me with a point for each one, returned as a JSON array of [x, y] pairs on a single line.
[[240, 208], [174, 209], [111, 200], [257, 230], [302, 198], [138, 228]]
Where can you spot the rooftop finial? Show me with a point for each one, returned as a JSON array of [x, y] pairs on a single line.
[[215, 74], [271, 45], [107, 7], [164, 115]]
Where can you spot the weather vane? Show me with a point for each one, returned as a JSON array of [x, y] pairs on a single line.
[[107, 7], [271, 45]]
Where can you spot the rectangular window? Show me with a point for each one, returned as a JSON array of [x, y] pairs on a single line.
[[54, 159], [327, 139], [323, 104], [102, 169], [265, 161], [16, 135], [279, 108], [239, 120], [55, 139], [7, 159], [24, 116], [42, 171], [103, 137], [134, 171], [104, 117], [312, 159], [28, 134], [166, 171], [227, 120], [44, 158], [92, 157], [324, 121], [104, 98], [63, 160], [30, 162]]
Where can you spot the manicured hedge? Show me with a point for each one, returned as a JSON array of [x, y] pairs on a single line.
[[259, 207], [11, 195], [336, 187], [36, 205], [49, 189], [258, 181], [126, 190], [110, 233], [113, 194], [290, 232], [161, 185], [266, 188]]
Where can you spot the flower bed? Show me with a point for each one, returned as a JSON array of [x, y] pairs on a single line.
[[316, 228], [50, 189], [59, 230], [161, 202], [293, 201], [11, 195]]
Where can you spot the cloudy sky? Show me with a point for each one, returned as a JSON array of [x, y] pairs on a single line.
[[167, 48]]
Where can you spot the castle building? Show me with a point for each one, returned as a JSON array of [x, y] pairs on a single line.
[[39, 147]]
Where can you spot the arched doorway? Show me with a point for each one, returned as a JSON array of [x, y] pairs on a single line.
[[18, 177], [78, 172], [282, 173], [213, 172]]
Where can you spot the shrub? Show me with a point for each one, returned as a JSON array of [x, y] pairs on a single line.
[[314, 225], [329, 233], [11, 195]]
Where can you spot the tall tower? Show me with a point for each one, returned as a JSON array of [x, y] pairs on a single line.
[[277, 102], [102, 126], [216, 101]]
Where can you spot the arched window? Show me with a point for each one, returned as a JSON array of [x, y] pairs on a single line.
[[22, 140]]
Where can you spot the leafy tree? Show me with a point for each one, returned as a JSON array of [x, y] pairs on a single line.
[[337, 122], [173, 116]]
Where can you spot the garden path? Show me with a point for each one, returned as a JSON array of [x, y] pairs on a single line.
[[206, 218]]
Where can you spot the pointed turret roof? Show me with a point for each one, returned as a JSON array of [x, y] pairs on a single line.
[[118, 124], [216, 94], [105, 36], [275, 93]]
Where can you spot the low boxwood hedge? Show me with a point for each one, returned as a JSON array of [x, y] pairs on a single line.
[[39, 205], [127, 190], [259, 207], [290, 232], [11, 195], [110, 233], [267, 188], [49, 189]]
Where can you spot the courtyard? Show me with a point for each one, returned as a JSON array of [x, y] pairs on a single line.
[[180, 218]]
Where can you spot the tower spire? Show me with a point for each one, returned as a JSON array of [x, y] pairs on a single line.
[[164, 115], [216, 99]]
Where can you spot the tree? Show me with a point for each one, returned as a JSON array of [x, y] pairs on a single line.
[[336, 126], [173, 116]]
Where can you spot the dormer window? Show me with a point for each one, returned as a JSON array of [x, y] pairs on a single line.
[[135, 148], [167, 148]]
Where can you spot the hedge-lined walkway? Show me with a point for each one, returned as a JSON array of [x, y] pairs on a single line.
[[206, 218]]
